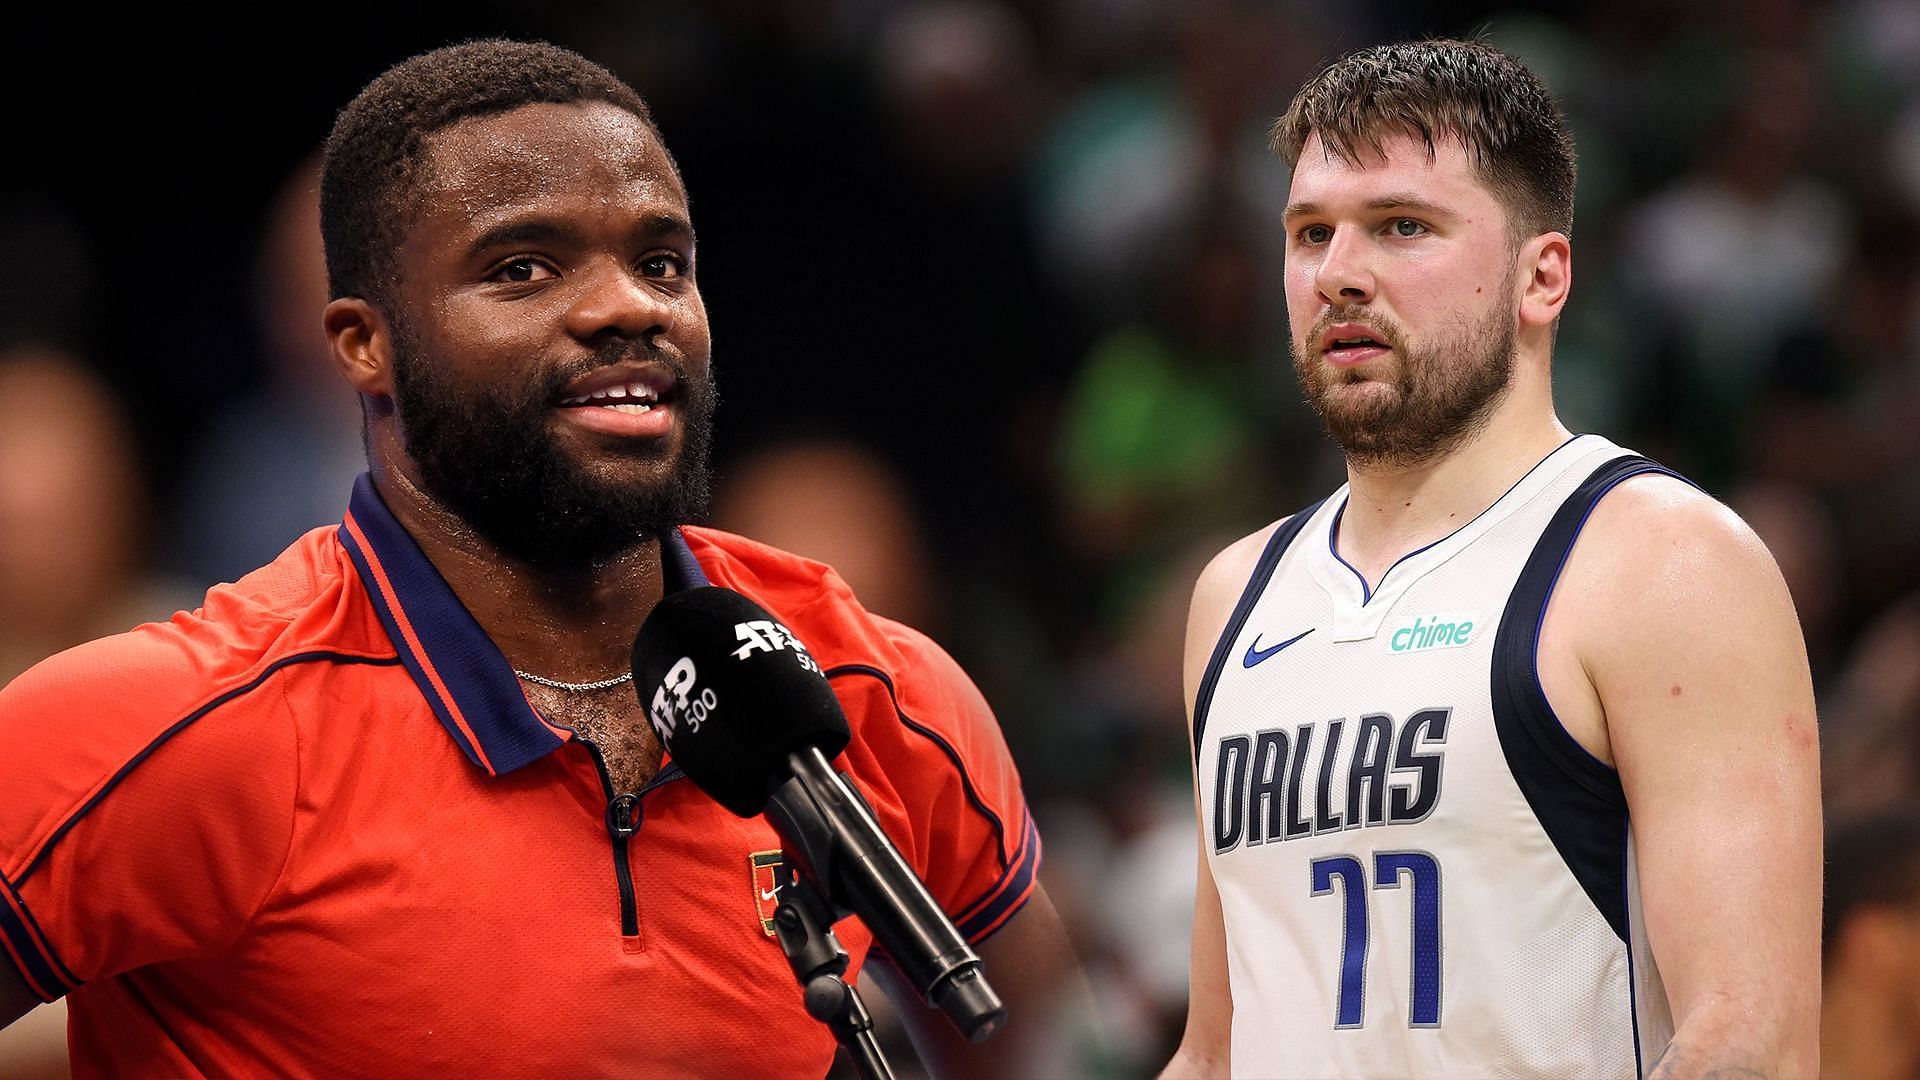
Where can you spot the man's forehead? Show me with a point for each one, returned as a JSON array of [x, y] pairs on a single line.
[[1401, 161], [537, 150]]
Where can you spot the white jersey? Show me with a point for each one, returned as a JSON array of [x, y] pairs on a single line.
[[1421, 872]]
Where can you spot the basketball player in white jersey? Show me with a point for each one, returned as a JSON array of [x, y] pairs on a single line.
[[1505, 751]]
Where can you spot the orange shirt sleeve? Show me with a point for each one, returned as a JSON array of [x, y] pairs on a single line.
[[937, 770], [146, 804]]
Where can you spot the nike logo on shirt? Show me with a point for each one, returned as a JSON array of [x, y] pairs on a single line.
[[1255, 654]]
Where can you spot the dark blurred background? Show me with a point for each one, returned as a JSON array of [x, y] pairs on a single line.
[[996, 307]]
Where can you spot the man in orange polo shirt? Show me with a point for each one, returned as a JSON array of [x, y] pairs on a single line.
[[388, 805]]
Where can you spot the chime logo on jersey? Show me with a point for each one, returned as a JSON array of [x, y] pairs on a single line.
[[1446, 630], [1265, 792], [768, 871]]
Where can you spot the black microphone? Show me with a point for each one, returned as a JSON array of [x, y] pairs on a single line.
[[748, 716]]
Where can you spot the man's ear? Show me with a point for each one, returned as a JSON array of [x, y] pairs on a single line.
[[1546, 263], [362, 344]]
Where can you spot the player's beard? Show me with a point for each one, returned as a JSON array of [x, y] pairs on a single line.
[[487, 455], [1438, 397]]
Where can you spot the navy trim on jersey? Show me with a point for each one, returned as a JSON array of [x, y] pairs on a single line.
[[181, 725], [679, 568], [472, 668], [1008, 894], [45, 974], [1256, 584], [364, 567], [19, 929], [1366, 590], [669, 772], [1587, 818], [1018, 867], [966, 782], [1633, 980]]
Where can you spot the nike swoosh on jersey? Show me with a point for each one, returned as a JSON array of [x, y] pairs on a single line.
[[1255, 654]]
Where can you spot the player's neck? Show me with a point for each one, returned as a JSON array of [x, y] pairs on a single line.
[[571, 625], [1392, 510], [1861, 1037]]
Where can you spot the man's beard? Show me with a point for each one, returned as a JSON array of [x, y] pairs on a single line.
[[1441, 396], [487, 455]]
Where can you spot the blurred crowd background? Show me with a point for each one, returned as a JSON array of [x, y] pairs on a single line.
[[995, 294]]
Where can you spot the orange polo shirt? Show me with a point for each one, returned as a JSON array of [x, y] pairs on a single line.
[[316, 828]]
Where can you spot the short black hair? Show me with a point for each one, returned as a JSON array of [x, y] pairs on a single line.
[[375, 153], [1468, 90], [1872, 861]]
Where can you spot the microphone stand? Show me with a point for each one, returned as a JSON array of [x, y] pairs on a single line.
[[803, 924]]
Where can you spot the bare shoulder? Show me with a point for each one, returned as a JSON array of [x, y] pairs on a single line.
[[1675, 606], [1688, 636], [1219, 585], [1214, 594], [1657, 542]]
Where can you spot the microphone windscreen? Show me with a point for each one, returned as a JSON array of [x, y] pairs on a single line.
[[731, 692]]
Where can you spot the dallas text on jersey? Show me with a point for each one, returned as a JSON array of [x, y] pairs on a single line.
[[1393, 777]]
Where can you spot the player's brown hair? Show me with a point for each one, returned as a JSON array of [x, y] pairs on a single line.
[[376, 151], [1465, 90]]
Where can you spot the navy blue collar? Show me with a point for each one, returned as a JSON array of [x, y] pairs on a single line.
[[464, 677]]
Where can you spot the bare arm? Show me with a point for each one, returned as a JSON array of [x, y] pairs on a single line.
[[1031, 965], [35, 1047], [1205, 1044], [1694, 652]]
